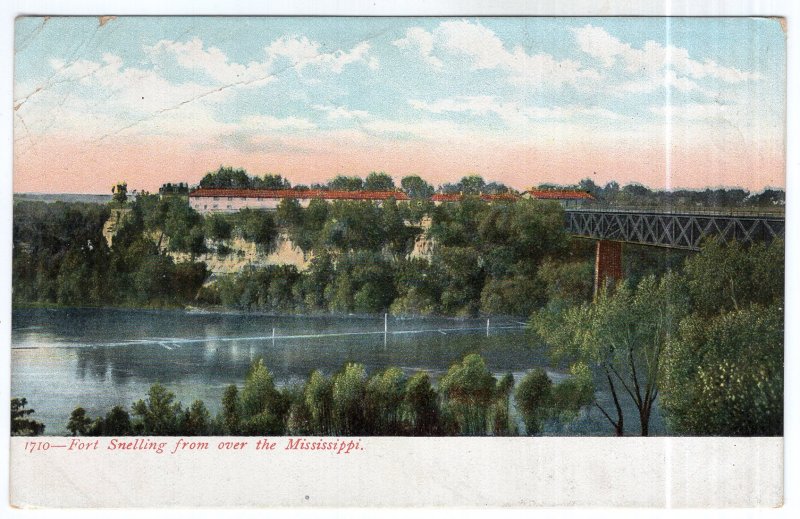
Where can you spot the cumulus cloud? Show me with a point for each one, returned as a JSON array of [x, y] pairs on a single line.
[[486, 51], [652, 57], [419, 39], [193, 56], [302, 52]]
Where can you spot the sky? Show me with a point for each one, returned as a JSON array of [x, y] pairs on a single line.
[[665, 102]]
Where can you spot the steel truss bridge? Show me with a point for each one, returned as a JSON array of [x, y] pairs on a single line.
[[676, 230]]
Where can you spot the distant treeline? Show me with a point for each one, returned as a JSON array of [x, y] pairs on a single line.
[[637, 195], [467, 401], [612, 193]]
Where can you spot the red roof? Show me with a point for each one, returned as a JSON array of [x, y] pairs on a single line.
[[567, 194], [293, 193], [454, 197]]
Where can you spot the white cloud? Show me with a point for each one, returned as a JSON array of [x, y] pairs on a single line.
[[129, 89], [486, 51], [302, 52], [667, 79], [421, 40], [341, 112], [193, 56], [653, 57]]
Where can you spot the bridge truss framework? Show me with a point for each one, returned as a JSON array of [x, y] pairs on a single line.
[[672, 230]]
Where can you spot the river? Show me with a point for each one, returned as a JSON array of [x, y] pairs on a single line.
[[98, 358]]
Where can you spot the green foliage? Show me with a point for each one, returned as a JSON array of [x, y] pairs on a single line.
[[218, 226], [116, 423], [226, 177], [623, 335], [378, 182], [534, 397], [230, 410], [345, 183], [468, 389], [422, 409], [262, 406], [349, 390], [318, 399], [60, 255], [724, 376], [418, 288], [120, 192], [79, 422], [725, 277], [257, 227], [461, 279], [21, 425], [158, 414], [567, 284], [383, 398], [417, 188]]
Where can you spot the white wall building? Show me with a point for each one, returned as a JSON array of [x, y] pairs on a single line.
[[213, 200]]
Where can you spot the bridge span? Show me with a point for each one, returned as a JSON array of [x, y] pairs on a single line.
[[672, 229]]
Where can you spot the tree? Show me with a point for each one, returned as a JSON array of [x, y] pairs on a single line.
[[318, 398], [348, 400], [78, 423], [383, 398], [117, 422], [422, 409], [417, 188], [21, 425], [468, 389], [724, 376], [257, 227], [227, 178], [378, 182], [262, 408], [461, 279], [534, 397], [230, 410], [218, 227], [157, 415], [502, 424], [623, 335], [269, 181], [472, 184], [196, 420], [345, 183], [120, 192], [725, 277]]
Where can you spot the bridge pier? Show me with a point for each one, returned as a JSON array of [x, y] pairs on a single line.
[[607, 265]]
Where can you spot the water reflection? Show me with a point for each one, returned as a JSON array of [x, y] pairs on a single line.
[[98, 358]]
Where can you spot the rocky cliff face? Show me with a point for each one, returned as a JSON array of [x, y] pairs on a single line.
[[230, 256], [113, 223], [238, 253]]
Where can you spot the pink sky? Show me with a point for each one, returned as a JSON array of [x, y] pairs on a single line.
[[145, 162]]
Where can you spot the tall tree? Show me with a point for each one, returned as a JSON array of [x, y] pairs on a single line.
[[416, 187], [623, 336], [21, 425], [379, 181]]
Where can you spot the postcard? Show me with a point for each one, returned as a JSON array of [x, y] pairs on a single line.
[[398, 261]]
